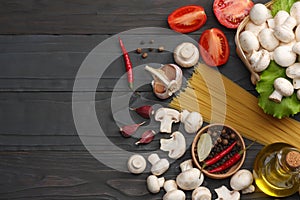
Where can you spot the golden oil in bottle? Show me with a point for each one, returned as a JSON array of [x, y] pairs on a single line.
[[277, 170]]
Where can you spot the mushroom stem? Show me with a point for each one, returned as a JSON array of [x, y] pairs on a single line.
[[186, 165], [276, 96]]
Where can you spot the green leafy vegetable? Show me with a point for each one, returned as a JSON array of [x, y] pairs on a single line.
[[288, 106], [281, 5]]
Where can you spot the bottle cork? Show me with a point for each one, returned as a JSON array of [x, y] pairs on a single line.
[[293, 159]]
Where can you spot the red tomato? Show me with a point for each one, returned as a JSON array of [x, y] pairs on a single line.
[[230, 13], [214, 47], [187, 19]]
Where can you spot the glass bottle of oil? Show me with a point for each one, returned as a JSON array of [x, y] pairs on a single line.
[[277, 170]]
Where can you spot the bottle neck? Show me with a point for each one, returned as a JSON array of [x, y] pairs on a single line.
[[288, 160]]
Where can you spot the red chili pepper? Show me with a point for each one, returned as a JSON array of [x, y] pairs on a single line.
[[127, 64], [219, 156], [234, 159]]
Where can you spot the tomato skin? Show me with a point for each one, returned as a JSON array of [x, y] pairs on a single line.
[[214, 47], [230, 13], [187, 19]]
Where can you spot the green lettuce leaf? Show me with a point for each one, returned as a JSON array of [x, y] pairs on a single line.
[[281, 5], [288, 106]]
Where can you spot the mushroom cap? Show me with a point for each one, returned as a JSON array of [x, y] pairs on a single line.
[[255, 29], [174, 195], [283, 86], [248, 41], [193, 122], [267, 39], [170, 185], [136, 164], [160, 167], [186, 55], [280, 17], [295, 11], [176, 145], [297, 33], [201, 193], [259, 14], [242, 179], [284, 56], [284, 34], [154, 184], [190, 179], [260, 60], [293, 71]]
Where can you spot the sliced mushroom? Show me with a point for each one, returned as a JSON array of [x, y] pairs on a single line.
[[154, 184], [283, 88], [136, 164], [201, 193], [259, 14], [159, 166], [293, 72], [186, 55], [224, 193], [166, 117], [167, 80], [190, 178], [284, 56], [248, 41], [192, 121], [260, 60], [241, 180], [176, 145], [172, 191], [267, 39]]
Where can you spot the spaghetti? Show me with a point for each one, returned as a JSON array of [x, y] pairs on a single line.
[[235, 107]]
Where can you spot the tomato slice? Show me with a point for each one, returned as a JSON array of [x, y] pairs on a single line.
[[214, 47], [230, 13], [187, 19]]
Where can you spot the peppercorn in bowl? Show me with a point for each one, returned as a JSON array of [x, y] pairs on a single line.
[[218, 151]]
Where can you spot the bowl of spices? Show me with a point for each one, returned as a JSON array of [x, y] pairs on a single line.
[[218, 150]]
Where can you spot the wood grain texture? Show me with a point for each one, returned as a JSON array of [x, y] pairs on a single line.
[[42, 45]]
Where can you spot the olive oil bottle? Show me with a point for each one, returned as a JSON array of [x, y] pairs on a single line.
[[277, 170]]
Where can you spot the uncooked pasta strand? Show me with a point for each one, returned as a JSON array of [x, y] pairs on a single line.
[[233, 106]]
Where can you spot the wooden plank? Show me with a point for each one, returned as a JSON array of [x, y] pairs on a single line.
[[89, 17]]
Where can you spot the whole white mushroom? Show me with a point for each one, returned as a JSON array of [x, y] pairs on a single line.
[[242, 179], [259, 14]]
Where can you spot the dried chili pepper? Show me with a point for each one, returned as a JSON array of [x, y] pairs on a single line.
[[234, 159], [147, 137], [219, 156], [128, 65]]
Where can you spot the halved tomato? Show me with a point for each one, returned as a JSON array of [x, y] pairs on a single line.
[[187, 19], [230, 13], [214, 47]]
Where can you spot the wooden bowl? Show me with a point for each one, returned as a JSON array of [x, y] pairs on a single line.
[[254, 75], [213, 129]]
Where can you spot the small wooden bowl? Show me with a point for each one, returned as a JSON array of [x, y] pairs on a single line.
[[233, 169], [254, 75]]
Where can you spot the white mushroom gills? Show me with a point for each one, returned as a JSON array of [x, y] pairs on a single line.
[[172, 192], [186, 55], [159, 166], [136, 164], [176, 145], [154, 183], [283, 88]]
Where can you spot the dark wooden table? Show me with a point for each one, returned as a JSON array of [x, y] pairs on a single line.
[[43, 44]]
